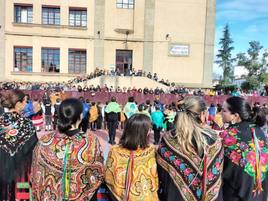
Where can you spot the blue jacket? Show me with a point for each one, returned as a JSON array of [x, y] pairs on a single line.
[[28, 110], [86, 108], [212, 111]]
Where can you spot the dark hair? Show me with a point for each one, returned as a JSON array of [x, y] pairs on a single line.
[[141, 107], [69, 112], [219, 107], [242, 108], [135, 132], [113, 99], [131, 99], [81, 98], [10, 99], [258, 116]]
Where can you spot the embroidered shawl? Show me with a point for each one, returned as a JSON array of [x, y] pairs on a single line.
[[15, 132], [84, 167], [248, 151], [144, 180], [17, 141], [187, 171]]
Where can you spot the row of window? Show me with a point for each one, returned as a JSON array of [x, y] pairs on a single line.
[[51, 15], [23, 57]]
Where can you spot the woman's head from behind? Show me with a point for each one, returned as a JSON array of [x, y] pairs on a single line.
[[194, 107], [14, 100], [237, 109], [135, 134], [70, 114], [189, 125]]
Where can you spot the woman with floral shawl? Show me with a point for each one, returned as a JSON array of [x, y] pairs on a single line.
[[246, 153], [131, 173], [190, 160], [68, 163], [17, 141]]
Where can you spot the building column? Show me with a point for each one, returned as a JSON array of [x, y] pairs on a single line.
[[37, 12], [36, 55], [148, 48], [209, 43], [64, 56], [99, 34], [64, 15]]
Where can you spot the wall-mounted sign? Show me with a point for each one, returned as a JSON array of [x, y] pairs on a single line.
[[178, 50]]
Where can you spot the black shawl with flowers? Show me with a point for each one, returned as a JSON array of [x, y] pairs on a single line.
[[245, 163], [17, 141], [182, 176]]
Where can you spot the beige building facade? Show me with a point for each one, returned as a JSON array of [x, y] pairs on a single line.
[[43, 40]]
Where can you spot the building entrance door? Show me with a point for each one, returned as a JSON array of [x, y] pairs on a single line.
[[123, 61]]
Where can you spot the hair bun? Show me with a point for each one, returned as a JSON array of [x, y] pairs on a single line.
[[67, 112], [64, 124], [70, 111], [258, 116]]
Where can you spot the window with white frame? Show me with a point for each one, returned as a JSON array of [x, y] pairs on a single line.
[[50, 15], [23, 14], [78, 17], [125, 4]]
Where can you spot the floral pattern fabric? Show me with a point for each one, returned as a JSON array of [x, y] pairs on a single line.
[[15, 132], [187, 171], [243, 153], [144, 180], [17, 141], [85, 162]]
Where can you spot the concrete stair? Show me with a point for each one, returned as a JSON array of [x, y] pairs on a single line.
[[123, 81]]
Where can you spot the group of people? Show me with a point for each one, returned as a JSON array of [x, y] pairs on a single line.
[[190, 162], [172, 89]]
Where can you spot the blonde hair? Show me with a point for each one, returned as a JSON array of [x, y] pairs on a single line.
[[189, 128]]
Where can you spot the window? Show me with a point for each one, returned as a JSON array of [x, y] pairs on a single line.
[[23, 59], [77, 61], [77, 18], [51, 60], [51, 16], [125, 4], [23, 14]]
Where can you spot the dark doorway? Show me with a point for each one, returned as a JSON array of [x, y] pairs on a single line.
[[123, 61]]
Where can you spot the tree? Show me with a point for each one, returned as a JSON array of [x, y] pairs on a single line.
[[255, 64], [264, 78], [250, 84], [224, 57]]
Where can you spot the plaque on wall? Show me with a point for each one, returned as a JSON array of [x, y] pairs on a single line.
[[178, 50]]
